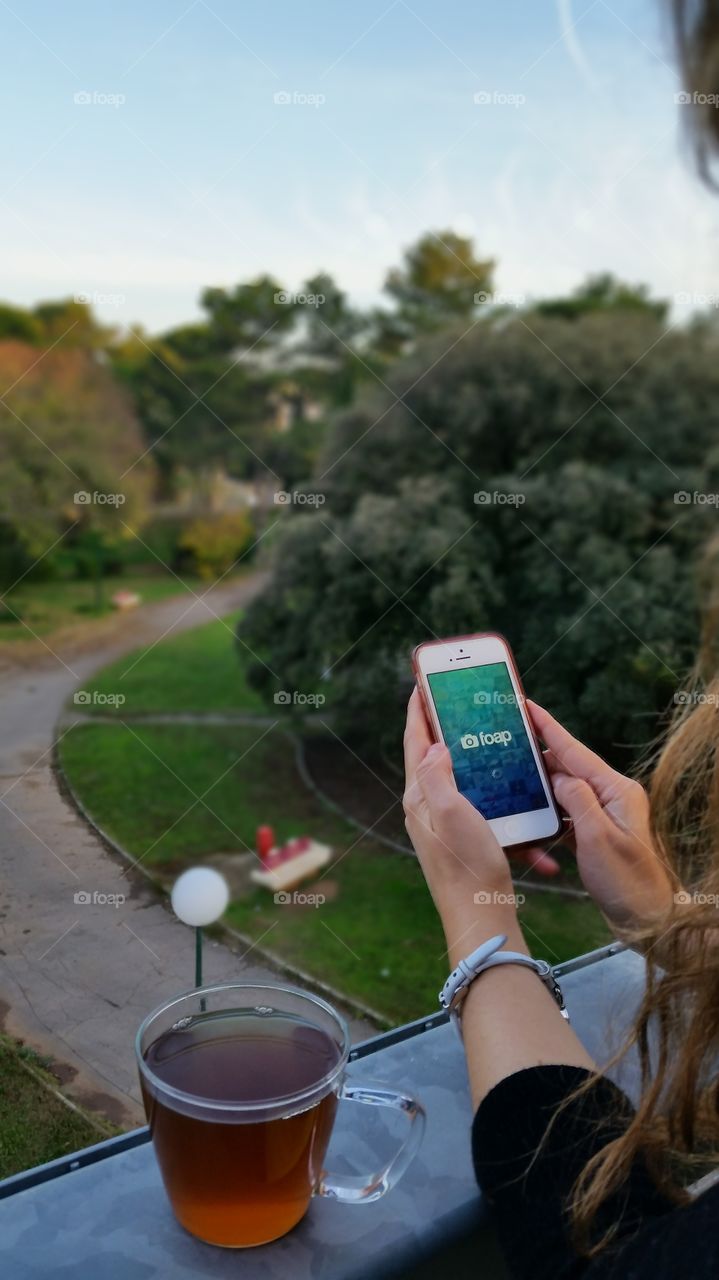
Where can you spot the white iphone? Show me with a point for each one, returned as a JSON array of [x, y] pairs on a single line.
[[474, 702]]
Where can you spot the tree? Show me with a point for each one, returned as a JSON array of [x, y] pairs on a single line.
[[575, 546], [438, 281], [72, 470], [72, 323], [16, 322], [215, 543], [604, 292], [201, 413], [250, 315], [330, 324]]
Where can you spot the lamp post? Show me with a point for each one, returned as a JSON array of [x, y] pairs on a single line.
[[199, 897]]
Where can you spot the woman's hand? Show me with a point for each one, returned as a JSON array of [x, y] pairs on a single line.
[[509, 1019], [618, 862], [466, 869]]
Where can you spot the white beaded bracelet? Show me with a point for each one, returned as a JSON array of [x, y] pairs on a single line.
[[487, 956]]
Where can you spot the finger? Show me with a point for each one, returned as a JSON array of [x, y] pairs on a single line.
[[416, 736], [579, 800], [572, 755], [538, 859], [412, 800], [436, 781]]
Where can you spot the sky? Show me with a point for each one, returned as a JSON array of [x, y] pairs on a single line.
[[151, 149]]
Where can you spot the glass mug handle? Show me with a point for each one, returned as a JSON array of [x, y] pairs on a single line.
[[356, 1189]]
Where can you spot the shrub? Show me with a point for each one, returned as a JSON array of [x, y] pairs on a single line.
[[586, 430], [214, 543]]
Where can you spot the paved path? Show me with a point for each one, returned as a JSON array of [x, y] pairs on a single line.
[[76, 979]]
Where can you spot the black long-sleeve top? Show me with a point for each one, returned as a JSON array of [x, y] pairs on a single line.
[[528, 1192]]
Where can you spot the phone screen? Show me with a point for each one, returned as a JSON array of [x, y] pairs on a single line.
[[483, 728]]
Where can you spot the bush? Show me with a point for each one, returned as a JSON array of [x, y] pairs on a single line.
[[214, 543], [576, 438]]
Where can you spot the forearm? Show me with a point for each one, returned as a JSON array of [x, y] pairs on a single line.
[[509, 1018]]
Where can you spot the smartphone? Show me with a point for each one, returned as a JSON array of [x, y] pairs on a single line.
[[474, 702]]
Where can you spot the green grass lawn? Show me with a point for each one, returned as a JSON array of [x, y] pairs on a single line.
[[376, 938], [35, 1126], [47, 607], [200, 670]]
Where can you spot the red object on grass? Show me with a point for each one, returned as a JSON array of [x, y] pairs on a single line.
[[264, 839]]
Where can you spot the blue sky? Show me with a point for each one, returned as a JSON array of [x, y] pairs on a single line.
[[182, 170]]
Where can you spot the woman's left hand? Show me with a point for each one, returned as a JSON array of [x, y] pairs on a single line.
[[465, 867], [509, 1019]]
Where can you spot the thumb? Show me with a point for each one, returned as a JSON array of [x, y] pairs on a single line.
[[436, 779], [579, 800]]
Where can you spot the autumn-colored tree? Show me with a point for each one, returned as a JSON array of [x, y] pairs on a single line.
[[73, 463], [440, 280], [215, 543]]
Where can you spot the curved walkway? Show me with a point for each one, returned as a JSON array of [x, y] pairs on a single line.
[[77, 977]]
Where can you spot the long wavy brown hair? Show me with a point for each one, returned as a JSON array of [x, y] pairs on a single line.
[[675, 1129]]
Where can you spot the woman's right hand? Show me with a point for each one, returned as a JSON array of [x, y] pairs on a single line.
[[618, 862]]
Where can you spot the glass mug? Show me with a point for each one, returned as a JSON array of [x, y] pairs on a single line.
[[241, 1084]]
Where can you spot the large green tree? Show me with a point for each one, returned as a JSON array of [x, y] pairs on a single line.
[[252, 314], [604, 292], [524, 480], [440, 279]]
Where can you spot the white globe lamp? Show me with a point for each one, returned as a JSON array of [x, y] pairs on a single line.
[[199, 897]]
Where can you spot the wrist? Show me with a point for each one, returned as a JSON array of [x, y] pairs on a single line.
[[467, 929]]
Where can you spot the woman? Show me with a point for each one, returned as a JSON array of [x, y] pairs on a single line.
[[580, 1183]]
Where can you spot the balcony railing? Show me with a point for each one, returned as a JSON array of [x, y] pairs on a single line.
[[102, 1214]]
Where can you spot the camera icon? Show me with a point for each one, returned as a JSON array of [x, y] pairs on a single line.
[[482, 698], [683, 99], [482, 498], [468, 741], [483, 898], [82, 698], [82, 97], [82, 498], [282, 498], [283, 298], [482, 98], [282, 698], [682, 898], [82, 898], [682, 497], [282, 898], [682, 698], [481, 297], [282, 98]]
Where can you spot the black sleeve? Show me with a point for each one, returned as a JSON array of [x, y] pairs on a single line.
[[528, 1195]]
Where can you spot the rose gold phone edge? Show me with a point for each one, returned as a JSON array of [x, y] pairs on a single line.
[[430, 716]]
